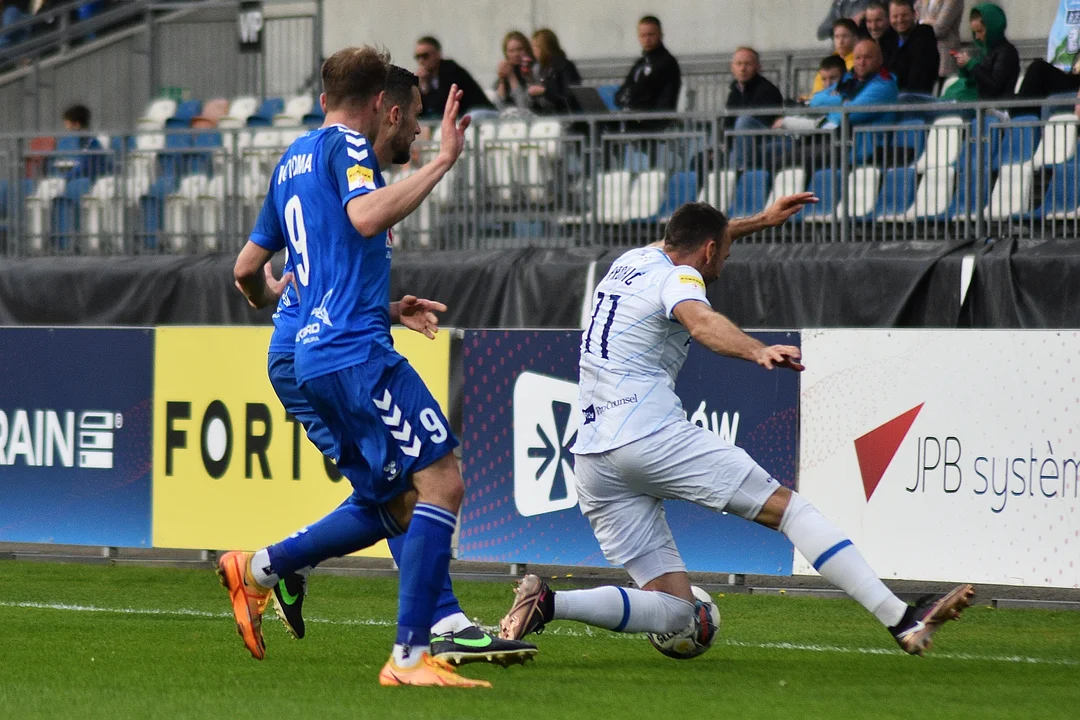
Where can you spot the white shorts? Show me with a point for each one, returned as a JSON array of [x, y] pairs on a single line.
[[621, 491]]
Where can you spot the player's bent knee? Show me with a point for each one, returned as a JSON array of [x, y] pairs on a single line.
[[440, 483]]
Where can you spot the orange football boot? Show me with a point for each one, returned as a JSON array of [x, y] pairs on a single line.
[[248, 599], [429, 672]]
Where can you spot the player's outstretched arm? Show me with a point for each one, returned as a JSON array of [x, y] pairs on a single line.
[[722, 336], [378, 211], [254, 277], [773, 216]]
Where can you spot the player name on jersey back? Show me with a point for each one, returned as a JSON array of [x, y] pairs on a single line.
[[633, 350]]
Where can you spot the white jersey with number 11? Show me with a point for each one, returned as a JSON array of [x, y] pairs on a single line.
[[633, 350]]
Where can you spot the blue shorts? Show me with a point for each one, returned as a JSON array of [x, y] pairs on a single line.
[[384, 422], [283, 378]]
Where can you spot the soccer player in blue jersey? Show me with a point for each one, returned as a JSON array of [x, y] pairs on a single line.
[[454, 636], [327, 199]]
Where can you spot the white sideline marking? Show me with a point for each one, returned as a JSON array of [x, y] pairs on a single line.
[[585, 631]]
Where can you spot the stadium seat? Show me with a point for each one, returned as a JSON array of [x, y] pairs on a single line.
[[178, 207], [240, 109], [1062, 200], [907, 143], [943, 144], [949, 82], [185, 113], [265, 113], [1011, 196], [933, 195], [541, 152], [315, 118], [607, 94], [682, 188], [290, 135], [750, 193], [5, 199], [827, 185], [1015, 143], [787, 182], [970, 191], [171, 160], [897, 194], [719, 189], [865, 144], [647, 194], [212, 112], [102, 213], [37, 210], [65, 213], [613, 192], [295, 110], [860, 193], [157, 112], [1058, 143], [152, 205]]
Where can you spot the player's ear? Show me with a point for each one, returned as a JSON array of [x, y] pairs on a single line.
[[322, 102], [395, 115], [379, 100]]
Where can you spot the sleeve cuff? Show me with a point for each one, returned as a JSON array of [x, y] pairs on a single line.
[[265, 242]]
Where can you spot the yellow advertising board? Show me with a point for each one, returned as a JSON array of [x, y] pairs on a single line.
[[231, 471]]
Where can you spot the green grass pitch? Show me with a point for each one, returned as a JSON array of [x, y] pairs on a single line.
[[129, 642]]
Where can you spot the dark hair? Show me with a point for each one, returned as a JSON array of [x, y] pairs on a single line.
[[354, 75], [78, 114], [430, 40], [551, 51], [651, 20], [833, 62], [521, 38], [880, 5], [907, 3], [399, 85], [846, 23], [693, 225]]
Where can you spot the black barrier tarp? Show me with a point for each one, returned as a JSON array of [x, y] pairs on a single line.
[[897, 284]]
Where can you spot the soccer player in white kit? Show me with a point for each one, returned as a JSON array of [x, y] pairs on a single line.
[[636, 448]]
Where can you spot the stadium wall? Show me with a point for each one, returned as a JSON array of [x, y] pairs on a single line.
[[472, 33]]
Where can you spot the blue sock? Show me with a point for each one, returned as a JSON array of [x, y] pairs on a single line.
[[425, 563], [447, 604], [348, 528]]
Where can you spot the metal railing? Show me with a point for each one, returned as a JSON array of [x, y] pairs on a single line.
[[934, 172]]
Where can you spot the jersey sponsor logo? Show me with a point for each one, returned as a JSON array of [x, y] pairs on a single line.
[[46, 438], [321, 313], [359, 176], [309, 333], [295, 165], [692, 280], [594, 411], [546, 424]]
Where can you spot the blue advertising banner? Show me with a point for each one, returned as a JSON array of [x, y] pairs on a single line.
[[520, 416], [75, 435]]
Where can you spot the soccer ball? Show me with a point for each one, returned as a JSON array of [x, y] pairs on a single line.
[[695, 638]]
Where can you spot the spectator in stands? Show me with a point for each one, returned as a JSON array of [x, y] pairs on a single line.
[[14, 11], [92, 162], [437, 74], [515, 72], [654, 80], [842, 9], [554, 72], [910, 52], [876, 22], [990, 70], [845, 35], [1060, 72], [750, 90], [868, 83], [944, 17]]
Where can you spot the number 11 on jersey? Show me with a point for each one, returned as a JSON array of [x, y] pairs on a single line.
[[614, 304]]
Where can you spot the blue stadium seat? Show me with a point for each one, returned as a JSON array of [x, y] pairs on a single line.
[[4, 199], [828, 186], [315, 118], [607, 94], [966, 199], [171, 160], [913, 140], [264, 115], [897, 192], [864, 146], [635, 161], [1015, 144], [682, 188], [119, 143], [202, 163], [152, 205], [750, 193], [185, 111], [65, 212], [1063, 195]]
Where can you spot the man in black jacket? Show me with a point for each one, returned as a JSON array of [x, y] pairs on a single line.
[[911, 51], [653, 82], [750, 90], [437, 74]]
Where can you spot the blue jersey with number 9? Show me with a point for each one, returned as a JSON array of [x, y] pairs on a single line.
[[342, 277]]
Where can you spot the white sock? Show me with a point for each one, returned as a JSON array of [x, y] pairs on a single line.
[[415, 652], [454, 623], [624, 609], [260, 569], [832, 554]]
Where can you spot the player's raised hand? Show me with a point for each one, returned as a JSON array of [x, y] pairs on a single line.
[[778, 213], [453, 131], [272, 290], [419, 315], [276, 287], [780, 356]]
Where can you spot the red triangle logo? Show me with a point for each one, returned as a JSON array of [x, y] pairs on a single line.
[[877, 448]]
